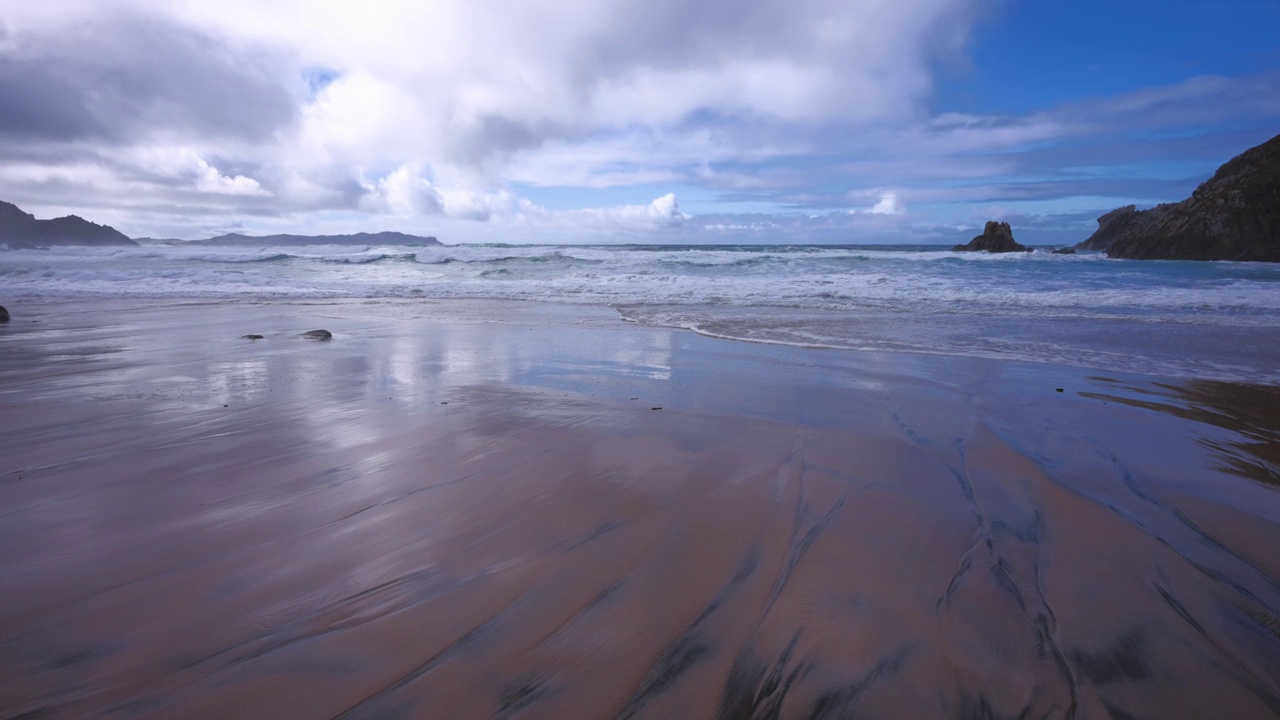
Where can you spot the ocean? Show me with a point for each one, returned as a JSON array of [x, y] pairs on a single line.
[[1213, 320]]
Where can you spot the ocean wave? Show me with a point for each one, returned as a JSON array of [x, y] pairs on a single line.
[[540, 259], [847, 279]]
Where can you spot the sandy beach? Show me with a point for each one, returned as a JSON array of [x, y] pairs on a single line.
[[479, 509]]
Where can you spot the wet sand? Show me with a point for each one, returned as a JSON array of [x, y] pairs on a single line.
[[480, 510]]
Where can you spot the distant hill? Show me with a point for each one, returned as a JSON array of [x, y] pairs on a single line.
[[19, 229], [381, 238], [1235, 215]]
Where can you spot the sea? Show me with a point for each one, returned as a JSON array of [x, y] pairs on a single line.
[[1204, 320]]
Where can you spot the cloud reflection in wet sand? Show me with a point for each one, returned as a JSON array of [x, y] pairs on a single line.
[[796, 534]]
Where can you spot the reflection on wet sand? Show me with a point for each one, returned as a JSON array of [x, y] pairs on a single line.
[[1250, 411], [795, 534]]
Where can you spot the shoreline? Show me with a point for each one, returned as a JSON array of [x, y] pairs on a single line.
[[1077, 353], [576, 516]]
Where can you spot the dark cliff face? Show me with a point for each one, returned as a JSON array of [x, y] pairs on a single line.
[[996, 237], [1235, 215], [20, 229], [17, 229], [73, 230]]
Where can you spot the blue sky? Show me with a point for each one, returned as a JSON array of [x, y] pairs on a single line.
[[626, 121], [1032, 55]]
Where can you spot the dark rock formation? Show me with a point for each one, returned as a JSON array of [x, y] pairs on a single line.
[[4, 314], [318, 335], [19, 230], [382, 238], [73, 230], [1065, 251], [251, 336], [1235, 215], [996, 237]]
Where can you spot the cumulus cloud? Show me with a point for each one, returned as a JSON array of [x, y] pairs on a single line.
[[326, 105], [210, 180], [174, 115], [888, 205], [662, 212]]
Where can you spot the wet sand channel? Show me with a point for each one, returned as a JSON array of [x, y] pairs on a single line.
[[433, 515]]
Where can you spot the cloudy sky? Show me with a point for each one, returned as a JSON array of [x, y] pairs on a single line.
[[626, 120]]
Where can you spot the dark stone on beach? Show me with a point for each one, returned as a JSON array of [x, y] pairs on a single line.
[[4, 314], [318, 335], [1065, 251], [996, 237], [1058, 390], [251, 336], [1235, 215]]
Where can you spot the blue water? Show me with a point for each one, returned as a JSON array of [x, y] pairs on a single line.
[[1196, 319]]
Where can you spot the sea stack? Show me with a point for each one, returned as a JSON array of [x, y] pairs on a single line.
[[996, 237], [1235, 215]]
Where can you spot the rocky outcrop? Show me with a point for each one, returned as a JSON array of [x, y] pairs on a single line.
[[317, 335], [74, 230], [4, 315], [20, 230], [996, 237], [1235, 215], [17, 228]]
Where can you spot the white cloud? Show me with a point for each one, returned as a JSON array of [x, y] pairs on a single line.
[[888, 205], [662, 212], [477, 94], [210, 180], [440, 111]]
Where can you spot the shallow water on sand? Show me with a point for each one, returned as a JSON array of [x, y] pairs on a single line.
[[440, 515], [1217, 320]]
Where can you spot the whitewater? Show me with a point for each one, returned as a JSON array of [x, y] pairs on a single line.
[[1216, 320]]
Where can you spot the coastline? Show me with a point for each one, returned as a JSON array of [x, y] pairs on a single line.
[[472, 509]]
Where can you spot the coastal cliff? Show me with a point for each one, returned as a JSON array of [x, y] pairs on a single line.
[[20, 229], [1235, 215]]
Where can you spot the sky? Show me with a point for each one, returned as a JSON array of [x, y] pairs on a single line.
[[664, 121]]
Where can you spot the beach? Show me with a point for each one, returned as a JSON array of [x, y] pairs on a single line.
[[474, 508]]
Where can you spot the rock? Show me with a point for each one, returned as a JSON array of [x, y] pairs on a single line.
[[318, 335], [251, 336], [1065, 251], [4, 314], [74, 230], [996, 237], [1235, 215], [20, 230]]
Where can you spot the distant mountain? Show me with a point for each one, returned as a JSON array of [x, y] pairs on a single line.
[[19, 229], [1235, 215], [382, 238]]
